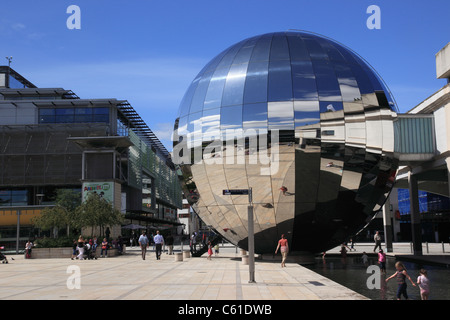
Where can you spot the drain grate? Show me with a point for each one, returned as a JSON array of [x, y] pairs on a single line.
[[316, 283]]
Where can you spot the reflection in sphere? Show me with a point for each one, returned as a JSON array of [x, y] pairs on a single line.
[[301, 120]]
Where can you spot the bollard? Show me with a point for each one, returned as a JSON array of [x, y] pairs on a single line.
[[411, 246], [186, 254], [178, 256], [245, 260], [428, 251], [443, 249]]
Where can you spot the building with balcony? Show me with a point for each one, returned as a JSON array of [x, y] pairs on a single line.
[[51, 139]]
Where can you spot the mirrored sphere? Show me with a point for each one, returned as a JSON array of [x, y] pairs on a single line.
[[305, 123]]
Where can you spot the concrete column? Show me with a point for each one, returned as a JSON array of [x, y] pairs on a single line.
[[387, 225], [416, 229], [447, 161]]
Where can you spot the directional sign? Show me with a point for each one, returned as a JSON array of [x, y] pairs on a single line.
[[235, 192]]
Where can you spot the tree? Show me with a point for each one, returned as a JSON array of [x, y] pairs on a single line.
[[95, 211], [62, 215]]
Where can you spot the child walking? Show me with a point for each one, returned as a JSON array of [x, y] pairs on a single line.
[[424, 284], [401, 275]]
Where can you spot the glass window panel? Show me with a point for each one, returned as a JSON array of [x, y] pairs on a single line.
[[64, 115], [100, 111], [47, 112], [280, 48], [280, 81], [297, 48], [100, 115], [262, 49], [233, 93], [19, 197], [5, 198], [256, 82], [46, 115], [83, 115], [281, 115]]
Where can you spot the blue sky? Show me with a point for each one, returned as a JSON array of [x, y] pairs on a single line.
[[148, 51]]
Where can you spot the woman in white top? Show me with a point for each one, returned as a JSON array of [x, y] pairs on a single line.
[[424, 284]]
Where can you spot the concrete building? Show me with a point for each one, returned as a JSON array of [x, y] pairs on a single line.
[[424, 153]]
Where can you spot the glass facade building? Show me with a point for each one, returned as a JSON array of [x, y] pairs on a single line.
[[51, 139], [328, 118]]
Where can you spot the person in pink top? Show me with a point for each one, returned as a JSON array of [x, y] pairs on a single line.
[[424, 284], [382, 260], [284, 249]]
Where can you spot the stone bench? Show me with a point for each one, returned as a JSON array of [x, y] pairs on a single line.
[[65, 252]]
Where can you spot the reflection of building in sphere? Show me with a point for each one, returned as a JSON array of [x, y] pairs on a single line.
[[326, 164]]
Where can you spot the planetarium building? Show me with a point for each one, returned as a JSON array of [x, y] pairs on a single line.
[[305, 123]]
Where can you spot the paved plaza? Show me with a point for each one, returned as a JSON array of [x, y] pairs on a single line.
[[129, 277]]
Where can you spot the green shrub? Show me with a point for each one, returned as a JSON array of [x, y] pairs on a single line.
[[54, 242]]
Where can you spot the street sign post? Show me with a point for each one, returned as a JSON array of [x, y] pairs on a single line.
[[251, 230]]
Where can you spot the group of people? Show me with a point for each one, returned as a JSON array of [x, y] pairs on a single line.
[[158, 240], [82, 248], [401, 274]]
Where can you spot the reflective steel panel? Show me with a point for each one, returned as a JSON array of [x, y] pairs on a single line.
[[303, 121]]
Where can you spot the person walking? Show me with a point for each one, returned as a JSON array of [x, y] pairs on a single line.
[[216, 249], [401, 275], [365, 259], [105, 245], [169, 244], [74, 249], [80, 245], [377, 239], [159, 241], [284, 249], [144, 243], [424, 284], [210, 252], [382, 260]]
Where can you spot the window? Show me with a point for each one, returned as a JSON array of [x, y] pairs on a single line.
[[73, 115], [13, 198]]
